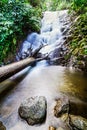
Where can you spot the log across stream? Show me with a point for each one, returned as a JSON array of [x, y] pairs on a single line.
[[11, 69], [44, 80]]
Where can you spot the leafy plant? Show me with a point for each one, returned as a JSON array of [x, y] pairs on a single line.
[[78, 5], [16, 19], [59, 4]]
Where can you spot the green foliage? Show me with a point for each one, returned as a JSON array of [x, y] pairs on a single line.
[[66, 4], [16, 19], [39, 3], [78, 44], [78, 5], [35, 2], [59, 4]]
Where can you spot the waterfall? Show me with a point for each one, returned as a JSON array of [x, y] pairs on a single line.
[[51, 37]]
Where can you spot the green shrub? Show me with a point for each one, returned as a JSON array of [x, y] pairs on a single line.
[[78, 5], [16, 19], [59, 4], [78, 44]]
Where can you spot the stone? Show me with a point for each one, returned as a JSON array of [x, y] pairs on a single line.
[[65, 117], [60, 128], [52, 128], [2, 127], [63, 28], [78, 122], [61, 107], [33, 110], [35, 39]]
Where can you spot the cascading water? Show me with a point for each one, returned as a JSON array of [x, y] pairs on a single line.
[[50, 38], [43, 80]]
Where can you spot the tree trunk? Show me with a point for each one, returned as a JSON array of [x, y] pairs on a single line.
[[11, 69]]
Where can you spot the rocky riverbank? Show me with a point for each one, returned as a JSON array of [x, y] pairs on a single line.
[[34, 111]]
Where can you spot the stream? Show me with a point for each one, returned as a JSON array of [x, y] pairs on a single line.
[[44, 79]]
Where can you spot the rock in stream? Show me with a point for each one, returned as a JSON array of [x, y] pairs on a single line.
[[2, 127], [33, 110], [61, 107], [78, 122]]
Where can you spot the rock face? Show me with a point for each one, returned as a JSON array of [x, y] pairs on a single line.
[[33, 110], [62, 106], [78, 122], [2, 127]]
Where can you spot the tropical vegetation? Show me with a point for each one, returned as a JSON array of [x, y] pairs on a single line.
[[78, 43], [17, 18]]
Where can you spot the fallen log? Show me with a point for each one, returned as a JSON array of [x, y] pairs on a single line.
[[11, 69]]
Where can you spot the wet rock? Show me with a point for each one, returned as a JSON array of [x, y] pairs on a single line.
[[55, 53], [78, 122], [2, 127], [25, 51], [63, 28], [60, 128], [65, 117], [52, 128], [55, 56], [65, 31], [81, 64], [61, 107], [69, 38], [35, 40], [33, 110]]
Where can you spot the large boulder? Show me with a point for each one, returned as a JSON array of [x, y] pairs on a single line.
[[33, 110], [78, 122], [2, 127], [61, 107]]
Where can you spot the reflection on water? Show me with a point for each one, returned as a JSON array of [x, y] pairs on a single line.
[[45, 81], [78, 85]]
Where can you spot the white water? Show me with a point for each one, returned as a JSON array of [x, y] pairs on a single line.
[[50, 37]]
